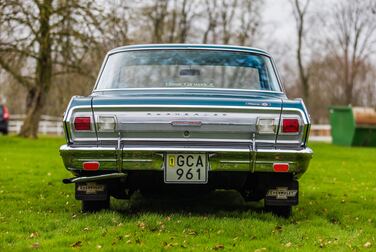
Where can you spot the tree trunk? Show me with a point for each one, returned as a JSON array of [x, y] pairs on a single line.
[[38, 93], [33, 114]]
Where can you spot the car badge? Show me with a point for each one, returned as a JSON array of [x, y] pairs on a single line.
[[187, 123]]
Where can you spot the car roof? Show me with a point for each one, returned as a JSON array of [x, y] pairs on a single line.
[[190, 46]]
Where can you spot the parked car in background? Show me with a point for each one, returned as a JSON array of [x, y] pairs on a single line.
[[4, 118], [187, 118]]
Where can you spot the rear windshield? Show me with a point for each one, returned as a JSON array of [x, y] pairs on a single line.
[[188, 69]]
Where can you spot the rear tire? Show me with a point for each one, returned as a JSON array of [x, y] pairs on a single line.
[[90, 206], [280, 211]]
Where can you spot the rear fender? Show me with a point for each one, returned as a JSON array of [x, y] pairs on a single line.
[[79, 107]]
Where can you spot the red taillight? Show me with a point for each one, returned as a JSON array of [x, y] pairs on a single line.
[[82, 123], [281, 167], [290, 125], [5, 113], [91, 166]]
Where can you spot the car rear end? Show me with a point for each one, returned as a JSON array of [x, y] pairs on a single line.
[[186, 139]]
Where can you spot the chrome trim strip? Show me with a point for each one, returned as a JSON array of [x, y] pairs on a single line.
[[189, 46], [66, 148], [188, 88], [283, 151], [208, 140], [234, 162], [137, 160], [188, 106], [119, 154], [95, 159], [182, 124], [185, 149], [254, 151], [94, 178], [69, 105]]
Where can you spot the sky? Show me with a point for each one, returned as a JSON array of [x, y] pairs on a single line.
[[279, 19]]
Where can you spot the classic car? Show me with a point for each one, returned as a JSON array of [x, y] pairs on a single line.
[[4, 118], [190, 119]]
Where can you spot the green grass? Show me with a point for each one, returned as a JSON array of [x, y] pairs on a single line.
[[336, 211]]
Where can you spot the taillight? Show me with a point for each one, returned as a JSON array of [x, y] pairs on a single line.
[[91, 166], [265, 126], [106, 123], [82, 123], [290, 125], [5, 113], [281, 167]]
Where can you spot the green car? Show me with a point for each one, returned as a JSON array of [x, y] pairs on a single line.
[[180, 119]]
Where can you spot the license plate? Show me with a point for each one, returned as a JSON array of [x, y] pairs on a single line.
[[186, 168], [91, 191], [90, 188]]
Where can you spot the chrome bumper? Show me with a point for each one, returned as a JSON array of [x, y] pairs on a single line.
[[152, 158]]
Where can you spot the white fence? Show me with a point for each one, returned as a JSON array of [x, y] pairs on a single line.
[[52, 125], [320, 133], [48, 125]]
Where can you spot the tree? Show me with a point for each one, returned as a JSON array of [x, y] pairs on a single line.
[[250, 20], [352, 41], [231, 21], [50, 38], [165, 21], [300, 13]]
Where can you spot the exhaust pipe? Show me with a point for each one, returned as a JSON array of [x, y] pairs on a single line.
[[94, 178]]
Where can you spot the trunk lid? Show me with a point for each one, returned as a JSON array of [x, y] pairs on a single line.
[[187, 115]]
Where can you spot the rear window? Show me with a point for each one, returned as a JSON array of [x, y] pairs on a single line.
[[188, 69]]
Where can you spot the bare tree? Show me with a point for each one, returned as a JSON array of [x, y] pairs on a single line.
[[250, 20], [166, 21], [211, 12], [352, 41], [116, 25], [157, 14], [300, 13], [228, 22], [227, 13], [186, 17], [51, 37]]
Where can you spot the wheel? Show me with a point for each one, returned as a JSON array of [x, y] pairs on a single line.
[[281, 211], [95, 205]]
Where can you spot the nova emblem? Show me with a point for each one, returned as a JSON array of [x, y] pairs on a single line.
[[281, 193], [187, 123]]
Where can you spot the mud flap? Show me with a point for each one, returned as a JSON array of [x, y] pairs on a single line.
[[285, 194], [91, 191]]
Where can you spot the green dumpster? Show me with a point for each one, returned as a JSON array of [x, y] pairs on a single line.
[[353, 126]]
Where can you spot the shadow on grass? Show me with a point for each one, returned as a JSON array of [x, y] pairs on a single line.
[[219, 203]]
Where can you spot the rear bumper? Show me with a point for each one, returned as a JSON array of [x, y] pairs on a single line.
[[133, 158]]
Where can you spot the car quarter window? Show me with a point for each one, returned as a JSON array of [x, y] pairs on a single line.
[[188, 68]]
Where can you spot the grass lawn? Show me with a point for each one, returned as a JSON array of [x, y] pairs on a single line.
[[337, 210]]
